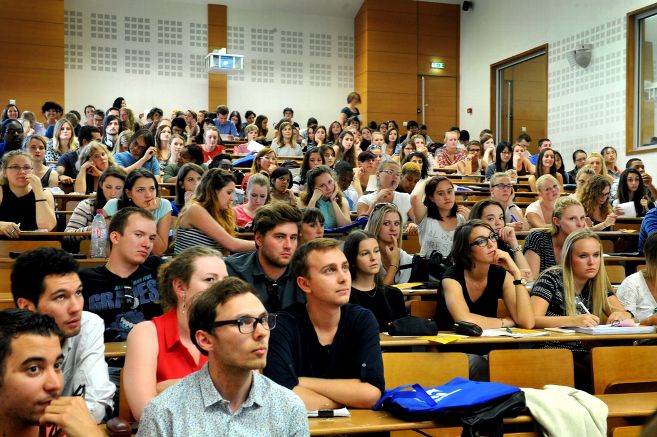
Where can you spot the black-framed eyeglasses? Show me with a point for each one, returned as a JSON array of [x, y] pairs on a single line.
[[483, 241], [56, 431], [248, 324], [503, 186]]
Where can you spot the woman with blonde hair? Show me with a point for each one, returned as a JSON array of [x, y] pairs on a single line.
[[209, 218], [595, 200], [583, 175], [385, 223], [576, 293], [93, 160], [127, 118], [257, 195], [264, 162], [161, 351], [542, 247], [36, 146], [123, 142], [597, 163], [539, 213], [63, 140]]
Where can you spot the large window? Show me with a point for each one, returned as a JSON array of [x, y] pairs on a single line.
[[642, 80]]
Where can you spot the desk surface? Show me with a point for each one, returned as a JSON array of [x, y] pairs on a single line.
[[620, 406], [388, 341], [116, 349]]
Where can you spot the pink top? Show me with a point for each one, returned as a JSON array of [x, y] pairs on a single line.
[[242, 217]]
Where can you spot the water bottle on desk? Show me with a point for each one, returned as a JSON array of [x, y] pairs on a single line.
[[98, 236]]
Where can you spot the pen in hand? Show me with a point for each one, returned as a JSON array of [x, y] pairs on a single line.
[[583, 307]]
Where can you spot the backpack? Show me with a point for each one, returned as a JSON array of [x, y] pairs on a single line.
[[478, 407]]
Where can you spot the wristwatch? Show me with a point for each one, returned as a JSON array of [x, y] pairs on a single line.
[[521, 281]]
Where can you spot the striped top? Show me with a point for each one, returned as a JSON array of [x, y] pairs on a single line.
[[191, 237]]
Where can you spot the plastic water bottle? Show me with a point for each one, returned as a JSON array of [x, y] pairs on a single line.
[[98, 236]]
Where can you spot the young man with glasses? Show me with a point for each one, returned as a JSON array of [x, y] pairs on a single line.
[[46, 281], [124, 291], [501, 189], [31, 380], [276, 230], [327, 351], [230, 325]]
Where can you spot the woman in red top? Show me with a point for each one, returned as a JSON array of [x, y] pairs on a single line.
[[212, 146], [160, 351]]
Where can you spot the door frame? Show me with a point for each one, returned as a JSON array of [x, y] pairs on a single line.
[[495, 90]]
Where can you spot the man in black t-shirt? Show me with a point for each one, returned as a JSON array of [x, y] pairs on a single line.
[[124, 291], [327, 351]]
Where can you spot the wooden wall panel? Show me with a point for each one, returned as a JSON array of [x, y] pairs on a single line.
[[217, 39], [395, 43], [32, 68]]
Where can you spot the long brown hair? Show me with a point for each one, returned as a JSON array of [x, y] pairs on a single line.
[[212, 181]]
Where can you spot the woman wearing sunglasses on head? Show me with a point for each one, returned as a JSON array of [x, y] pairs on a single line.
[[385, 223], [482, 273], [161, 351]]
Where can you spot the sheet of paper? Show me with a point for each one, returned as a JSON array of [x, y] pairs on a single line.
[[407, 285], [629, 210], [254, 146]]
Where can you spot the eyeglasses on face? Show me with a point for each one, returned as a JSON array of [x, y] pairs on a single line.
[[483, 241], [503, 186], [19, 168], [392, 173], [248, 324]]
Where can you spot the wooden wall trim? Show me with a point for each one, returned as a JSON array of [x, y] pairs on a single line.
[[217, 39]]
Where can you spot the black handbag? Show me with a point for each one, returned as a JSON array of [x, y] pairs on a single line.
[[428, 268], [412, 326]]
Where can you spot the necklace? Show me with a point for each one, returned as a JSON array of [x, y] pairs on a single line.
[[373, 292]]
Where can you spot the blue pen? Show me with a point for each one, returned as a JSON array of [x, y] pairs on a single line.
[[514, 219]]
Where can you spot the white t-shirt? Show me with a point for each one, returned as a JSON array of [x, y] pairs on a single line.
[[402, 275], [402, 200], [535, 207], [635, 296], [434, 237]]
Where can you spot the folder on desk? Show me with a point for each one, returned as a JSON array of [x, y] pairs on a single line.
[[612, 329], [514, 332]]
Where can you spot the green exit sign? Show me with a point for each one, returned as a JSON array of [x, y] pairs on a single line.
[[439, 65]]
